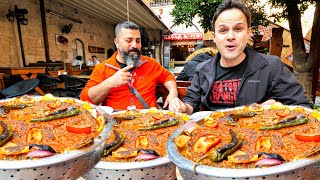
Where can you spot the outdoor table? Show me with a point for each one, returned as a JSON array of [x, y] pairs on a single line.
[[23, 71], [49, 66]]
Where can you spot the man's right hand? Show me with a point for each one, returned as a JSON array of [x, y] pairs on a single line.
[[177, 105], [121, 77]]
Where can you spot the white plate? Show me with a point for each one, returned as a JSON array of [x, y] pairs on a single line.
[[106, 109]]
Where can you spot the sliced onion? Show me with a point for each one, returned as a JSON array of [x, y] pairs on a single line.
[[145, 157], [39, 154], [268, 162], [189, 127]]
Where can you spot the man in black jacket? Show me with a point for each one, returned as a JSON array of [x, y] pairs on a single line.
[[200, 54], [238, 75]]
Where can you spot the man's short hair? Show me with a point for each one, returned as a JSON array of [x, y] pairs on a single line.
[[93, 56], [125, 25], [231, 4], [79, 58]]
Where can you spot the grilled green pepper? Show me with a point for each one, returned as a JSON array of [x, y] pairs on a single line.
[[114, 145], [6, 109], [294, 121], [118, 119], [225, 151], [309, 153], [161, 124], [5, 140], [233, 143], [5, 133], [232, 118], [68, 113]]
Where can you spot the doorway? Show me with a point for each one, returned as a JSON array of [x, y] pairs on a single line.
[[78, 49]]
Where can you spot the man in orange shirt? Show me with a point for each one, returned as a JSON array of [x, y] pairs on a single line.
[[111, 80]]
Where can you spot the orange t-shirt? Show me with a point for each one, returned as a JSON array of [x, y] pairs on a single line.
[[147, 76]]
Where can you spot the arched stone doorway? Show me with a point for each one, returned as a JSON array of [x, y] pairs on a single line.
[[78, 49]]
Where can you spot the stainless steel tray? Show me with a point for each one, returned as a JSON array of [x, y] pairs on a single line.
[[307, 168], [68, 165], [161, 168]]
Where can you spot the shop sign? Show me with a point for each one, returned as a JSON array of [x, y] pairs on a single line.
[[183, 37], [93, 49]]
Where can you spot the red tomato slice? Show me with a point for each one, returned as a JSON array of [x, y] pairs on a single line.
[[308, 137], [78, 129]]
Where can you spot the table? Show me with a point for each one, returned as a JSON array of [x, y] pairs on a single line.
[[49, 66], [23, 71]]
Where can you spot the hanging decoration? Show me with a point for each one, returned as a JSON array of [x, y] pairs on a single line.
[[128, 15]]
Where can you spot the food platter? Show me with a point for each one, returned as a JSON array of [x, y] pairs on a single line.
[[159, 168], [69, 164], [304, 168], [106, 109]]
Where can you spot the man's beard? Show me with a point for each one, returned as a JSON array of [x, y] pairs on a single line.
[[131, 59]]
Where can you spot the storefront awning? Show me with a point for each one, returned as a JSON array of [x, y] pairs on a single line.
[[115, 11]]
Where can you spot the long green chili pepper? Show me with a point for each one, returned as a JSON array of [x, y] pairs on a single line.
[[309, 153], [225, 151], [68, 113], [118, 119], [233, 143], [5, 135], [232, 118], [298, 120], [6, 139], [162, 124], [6, 109], [5, 131], [113, 145]]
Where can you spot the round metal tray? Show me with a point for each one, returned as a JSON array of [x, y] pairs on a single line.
[[68, 165], [161, 168], [307, 168]]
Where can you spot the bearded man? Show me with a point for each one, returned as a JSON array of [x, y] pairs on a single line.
[[112, 81]]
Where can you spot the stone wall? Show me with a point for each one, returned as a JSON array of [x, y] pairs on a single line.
[[92, 32]]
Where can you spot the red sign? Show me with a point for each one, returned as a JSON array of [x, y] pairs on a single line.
[[183, 37]]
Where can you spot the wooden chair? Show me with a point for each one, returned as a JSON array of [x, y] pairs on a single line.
[[50, 85], [20, 88], [73, 85]]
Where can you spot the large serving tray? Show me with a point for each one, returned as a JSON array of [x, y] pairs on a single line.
[[307, 168], [160, 168], [68, 165]]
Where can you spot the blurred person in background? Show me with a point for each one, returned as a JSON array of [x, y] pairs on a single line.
[[201, 53], [93, 61]]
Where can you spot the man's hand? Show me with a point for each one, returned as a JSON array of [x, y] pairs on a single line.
[[177, 105], [269, 102], [120, 78], [170, 97]]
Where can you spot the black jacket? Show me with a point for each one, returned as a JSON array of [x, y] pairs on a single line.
[[266, 77], [189, 68]]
